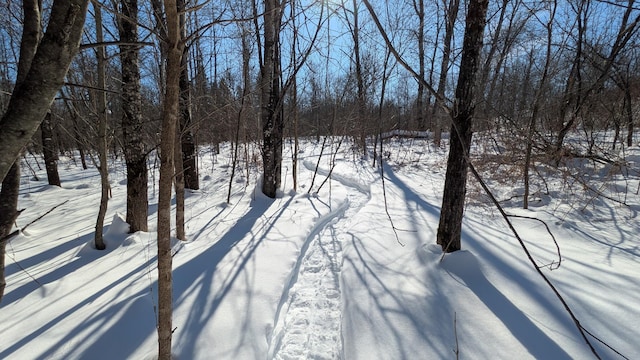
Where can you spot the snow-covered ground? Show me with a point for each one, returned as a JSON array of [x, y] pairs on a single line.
[[329, 273]]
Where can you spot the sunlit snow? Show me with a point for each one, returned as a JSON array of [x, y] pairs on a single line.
[[318, 273]]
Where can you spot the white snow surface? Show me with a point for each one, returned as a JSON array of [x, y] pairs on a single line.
[[327, 273]]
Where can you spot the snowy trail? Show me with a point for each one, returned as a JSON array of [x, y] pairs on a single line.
[[308, 324]]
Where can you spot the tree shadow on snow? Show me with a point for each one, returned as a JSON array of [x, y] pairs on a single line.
[[395, 317], [464, 267], [225, 261], [74, 263], [101, 316], [210, 276]]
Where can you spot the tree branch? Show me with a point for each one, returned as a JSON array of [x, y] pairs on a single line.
[[16, 232]]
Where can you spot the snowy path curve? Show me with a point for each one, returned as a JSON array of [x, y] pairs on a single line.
[[309, 316]]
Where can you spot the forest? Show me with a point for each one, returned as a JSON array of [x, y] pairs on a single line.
[[332, 179]]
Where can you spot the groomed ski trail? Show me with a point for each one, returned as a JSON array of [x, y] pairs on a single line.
[[309, 316]]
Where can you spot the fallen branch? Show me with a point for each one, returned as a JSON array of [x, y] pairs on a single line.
[[550, 266], [333, 165], [384, 195], [455, 334], [16, 232], [566, 306]]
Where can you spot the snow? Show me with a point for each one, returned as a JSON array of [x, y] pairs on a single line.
[[328, 273]]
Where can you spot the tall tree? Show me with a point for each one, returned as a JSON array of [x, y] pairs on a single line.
[[537, 101], [32, 98], [246, 90], [31, 34], [628, 107], [295, 114], [418, 7], [450, 17], [357, 62], [574, 86], [450, 226], [174, 47], [135, 151], [187, 140], [271, 114], [102, 139]]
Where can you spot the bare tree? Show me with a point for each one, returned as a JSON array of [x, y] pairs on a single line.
[[359, 74], [32, 98], [49, 151], [188, 152], [535, 108], [182, 129], [295, 114], [102, 140], [451, 15], [419, 8], [271, 116], [577, 92], [462, 113], [31, 33], [273, 90], [507, 30], [135, 152], [174, 47], [628, 106], [450, 226], [246, 89]]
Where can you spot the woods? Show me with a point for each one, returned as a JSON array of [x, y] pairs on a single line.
[[523, 91]]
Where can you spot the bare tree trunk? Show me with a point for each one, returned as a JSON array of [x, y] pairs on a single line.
[[418, 6], [8, 213], [489, 61], [49, 151], [451, 14], [135, 152], [76, 128], [573, 91], [178, 182], [536, 104], [256, 26], [182, 128], [629, 113], [103, 148], [272, 122], [450, 226], [187, 142], [616, 133], [246, 89], [361, 101], [171, 107], [32, 98], [31, 33], [294, 99]]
